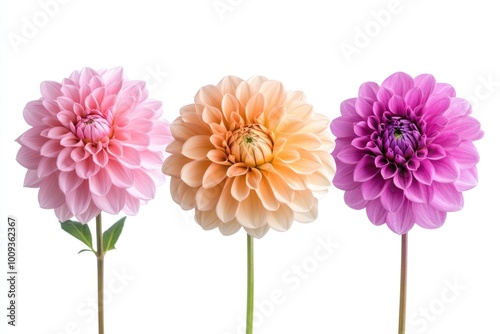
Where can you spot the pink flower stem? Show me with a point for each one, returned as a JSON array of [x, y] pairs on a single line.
[[402, 291], [250, 284], [100, 274]]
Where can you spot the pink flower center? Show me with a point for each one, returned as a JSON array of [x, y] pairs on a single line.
[[251, 144], [92, 128]]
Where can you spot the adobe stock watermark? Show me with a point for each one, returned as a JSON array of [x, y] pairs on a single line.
[[86, 310], [486, 89], [32, 24], [222, 7], [363, 35], [426, 315], [155, 76], [291, 281]]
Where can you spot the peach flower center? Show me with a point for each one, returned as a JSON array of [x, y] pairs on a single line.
[[92, 128], [252, 145]]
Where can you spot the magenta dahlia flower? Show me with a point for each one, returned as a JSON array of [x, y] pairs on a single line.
[[404, 151], [96, 145]]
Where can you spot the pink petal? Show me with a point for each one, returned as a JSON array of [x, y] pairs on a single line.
[[144, 187], [132, 205], [50, 90], [113, 202], [100, 183], [120, 176], [69, 181], [79, 199], [364, 107], [50, 196], [28, 158]]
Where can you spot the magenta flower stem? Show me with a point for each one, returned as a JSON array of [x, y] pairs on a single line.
[[100, 274], [250, 284], [402, 291]]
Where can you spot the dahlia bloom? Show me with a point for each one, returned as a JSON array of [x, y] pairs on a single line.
[[404, 151], [96, 144], [248, 153]]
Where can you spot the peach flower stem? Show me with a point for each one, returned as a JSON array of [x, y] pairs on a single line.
[[100, 273], [250, 284], [402, 291]]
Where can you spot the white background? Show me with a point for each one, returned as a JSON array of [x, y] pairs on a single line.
[[170, 276]]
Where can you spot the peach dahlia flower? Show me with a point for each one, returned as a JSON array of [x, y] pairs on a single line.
[[249, 153]]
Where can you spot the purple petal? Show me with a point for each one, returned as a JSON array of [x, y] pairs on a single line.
[[418, 193], [458, 107], [373, 188], [368, 90], [445, 197], [414, 97], [397, 105], [425, 173], [426, 83], [384, 95], [427, 216], [365, 169], [376, 212], [403, 179], [446, 170], [468, 179], [347, 108], [465, 155], [400, 83], [364, 107], [436, 152], [343, 178], [392, 198], [354, 199], [467, 127], [401, 221], [444, 89], [436, 105], [342, 127], [350, 154]]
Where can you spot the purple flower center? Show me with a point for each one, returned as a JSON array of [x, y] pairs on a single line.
[[92, 128], [399, 138]]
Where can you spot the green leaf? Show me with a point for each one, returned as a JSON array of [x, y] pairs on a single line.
[[79, 231], [110, 237], [85, 250]]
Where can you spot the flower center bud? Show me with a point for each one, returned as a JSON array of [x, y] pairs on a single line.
[[400, 139], [92, 128], [252, 145]]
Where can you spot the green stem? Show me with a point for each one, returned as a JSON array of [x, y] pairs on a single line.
[[250, 284], [402, 291], [100, 274]]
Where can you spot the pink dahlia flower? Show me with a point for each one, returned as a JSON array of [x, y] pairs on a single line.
[[405, 151], [249, 153], [96, 144]]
